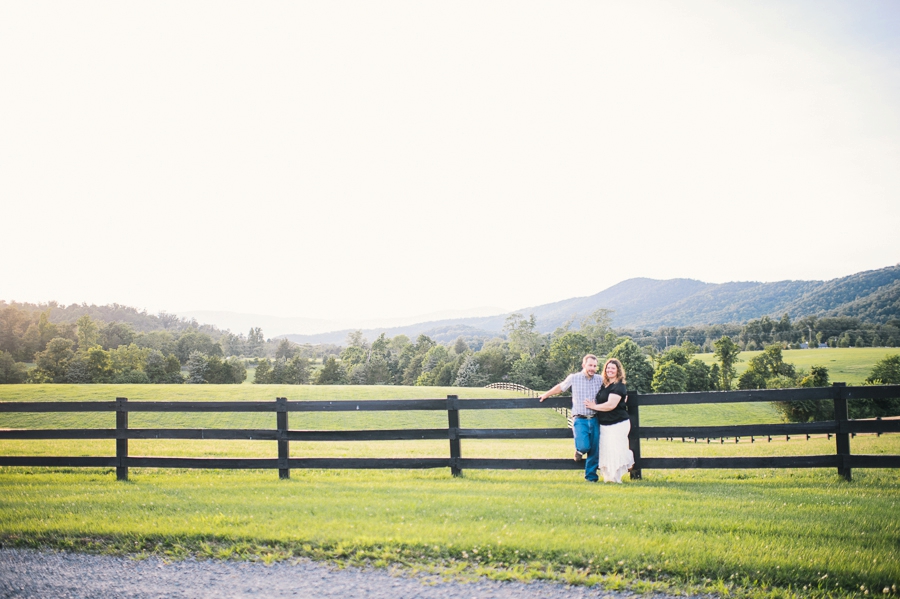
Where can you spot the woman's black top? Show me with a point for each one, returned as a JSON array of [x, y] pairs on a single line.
[[619, 413]]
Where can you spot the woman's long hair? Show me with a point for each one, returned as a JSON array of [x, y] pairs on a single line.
[[621, 372]]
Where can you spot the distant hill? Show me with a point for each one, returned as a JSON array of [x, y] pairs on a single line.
[[648, 304]]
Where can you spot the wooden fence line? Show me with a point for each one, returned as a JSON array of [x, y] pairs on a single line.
[[841, 427]]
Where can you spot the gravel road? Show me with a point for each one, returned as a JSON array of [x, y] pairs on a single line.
[[25, 573]]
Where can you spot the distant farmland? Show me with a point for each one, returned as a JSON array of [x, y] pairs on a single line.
[[845, 365]]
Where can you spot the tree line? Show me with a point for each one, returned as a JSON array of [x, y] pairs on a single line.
[[91, 351], [812, 331]]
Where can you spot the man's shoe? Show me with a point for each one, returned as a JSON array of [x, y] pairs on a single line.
[[578, 456]]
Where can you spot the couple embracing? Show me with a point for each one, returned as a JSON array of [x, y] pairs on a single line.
[[601, 423]]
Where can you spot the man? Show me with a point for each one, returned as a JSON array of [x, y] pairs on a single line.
[[585, 386]]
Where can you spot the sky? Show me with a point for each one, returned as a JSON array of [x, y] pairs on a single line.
[[364, 160]]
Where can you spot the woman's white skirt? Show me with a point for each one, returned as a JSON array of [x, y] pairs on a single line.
[[615, 457]]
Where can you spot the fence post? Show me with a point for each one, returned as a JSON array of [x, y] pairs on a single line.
[[453, 433], [634, 437], [842, 437], [281, 416], [121, 439]]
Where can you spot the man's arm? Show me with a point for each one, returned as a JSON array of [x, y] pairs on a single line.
[[554, 391], [607, 406]]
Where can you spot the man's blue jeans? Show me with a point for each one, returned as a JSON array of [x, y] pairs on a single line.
[[587, 441]]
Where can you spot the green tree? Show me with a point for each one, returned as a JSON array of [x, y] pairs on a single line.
[[224, 372], [233, 345], [526, 371], [77, 372], [356, 352], [817, 377], [469, 374], [162, 369], [677, 354], [808, 410], [751, 379], [98, 365], [432, 365], [886, 371], [131, 377], [771, 363], [715, 378], [11, 372], [567, 352], [125, 358], [411, 359], [638, 370], [494, 361], [597, 328], [162, 341], [197, 366], [256, 343], [331, 373], [727, 353], [88, 333], [379, 371], [670, 377], [522, 334], [698, 376], [53, 362], [47, 329], [263, 372], [192, 341], [30, 343], [285, 350], [397, 343], [783, 330], [115, 334], [382, 366], [296, 371], [768, 370]]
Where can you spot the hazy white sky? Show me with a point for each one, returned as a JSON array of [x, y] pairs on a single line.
[[384, 159]]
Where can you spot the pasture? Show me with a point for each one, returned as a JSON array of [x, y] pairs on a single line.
[[849, 365], [756, 533]]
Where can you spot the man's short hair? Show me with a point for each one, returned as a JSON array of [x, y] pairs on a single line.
[[588, 357]]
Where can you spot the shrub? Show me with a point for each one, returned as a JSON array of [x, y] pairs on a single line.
[[11, 372]]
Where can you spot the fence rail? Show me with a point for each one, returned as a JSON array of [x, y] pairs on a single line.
[[841, 427]]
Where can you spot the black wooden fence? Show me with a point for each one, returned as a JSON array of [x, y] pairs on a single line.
[[842, 427]]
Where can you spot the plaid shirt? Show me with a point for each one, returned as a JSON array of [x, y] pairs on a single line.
[[583, 389]]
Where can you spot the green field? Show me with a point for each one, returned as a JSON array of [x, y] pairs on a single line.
[[756, 533], [716, 414], [845, 365]]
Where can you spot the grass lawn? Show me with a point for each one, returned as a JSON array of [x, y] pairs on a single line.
[[845, 365], [755, 533]]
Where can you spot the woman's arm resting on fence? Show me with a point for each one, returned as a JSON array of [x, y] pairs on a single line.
[[554, 391], [607, 406]]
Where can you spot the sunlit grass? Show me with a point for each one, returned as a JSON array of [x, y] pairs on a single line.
[[758, 533]]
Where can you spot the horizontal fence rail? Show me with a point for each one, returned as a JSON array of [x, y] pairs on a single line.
[[841, 427]]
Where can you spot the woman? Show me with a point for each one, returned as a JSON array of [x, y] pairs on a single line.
[[615, 457]]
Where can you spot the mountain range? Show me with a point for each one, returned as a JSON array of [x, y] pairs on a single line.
[[642, 303]]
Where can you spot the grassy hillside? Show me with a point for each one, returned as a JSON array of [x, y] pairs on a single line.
[[845, 365]]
